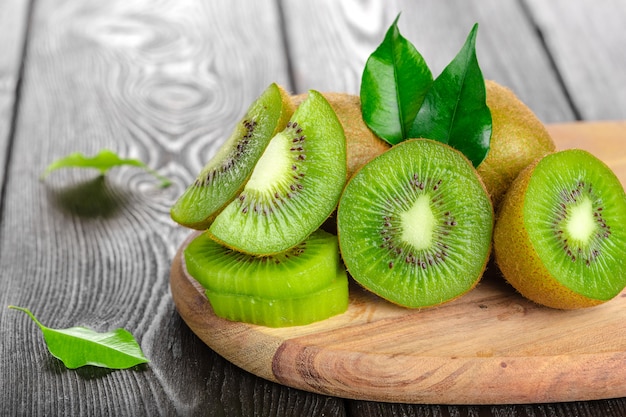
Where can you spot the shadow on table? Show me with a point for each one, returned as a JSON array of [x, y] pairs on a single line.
[[88, 372], [90, 198]]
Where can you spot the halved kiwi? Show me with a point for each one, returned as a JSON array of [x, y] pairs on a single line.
[[225, 174], [304, 284], [560, 238], [415, 224], [294, 187]]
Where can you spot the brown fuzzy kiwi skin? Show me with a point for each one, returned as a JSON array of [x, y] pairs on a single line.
[[362, 144], [518, 138], [517, 259]]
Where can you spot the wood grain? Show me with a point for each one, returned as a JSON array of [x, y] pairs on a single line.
[[491, 346], [14, 16], [586, 41]]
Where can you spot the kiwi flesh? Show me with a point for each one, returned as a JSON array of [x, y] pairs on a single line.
[[304, 284], [518, 138], [294, 187], [225, 174], [362, 145], [560, 238], [415, 224]]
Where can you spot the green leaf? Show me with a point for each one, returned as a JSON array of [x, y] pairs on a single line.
[[454, 110], [103, 161], [80, 346], [393, 85]]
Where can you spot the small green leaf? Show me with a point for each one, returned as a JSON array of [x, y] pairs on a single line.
[[454, 110], [80, 346], [103, 161], [393, 85]]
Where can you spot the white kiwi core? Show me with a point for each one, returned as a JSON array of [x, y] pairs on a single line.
[[418, 224], [271, 168], [581, 224]]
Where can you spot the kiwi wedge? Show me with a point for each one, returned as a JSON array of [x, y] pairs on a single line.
[[225, 174], [305, 284], [361, 143], [560, 238], [518, 138], [415, 224], [294, 187]]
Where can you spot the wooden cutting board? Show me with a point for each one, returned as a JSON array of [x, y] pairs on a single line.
[[490, 346]]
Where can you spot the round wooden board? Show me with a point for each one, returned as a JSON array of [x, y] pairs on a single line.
[[490, 346]]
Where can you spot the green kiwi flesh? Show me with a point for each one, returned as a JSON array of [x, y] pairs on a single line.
[[225, 174], [302, 285], [415, 224], [573, 212], [294, 187]]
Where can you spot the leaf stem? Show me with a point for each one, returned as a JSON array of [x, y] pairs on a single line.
[[29, 313]]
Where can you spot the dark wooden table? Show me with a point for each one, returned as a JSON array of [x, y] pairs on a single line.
[[164, 81]]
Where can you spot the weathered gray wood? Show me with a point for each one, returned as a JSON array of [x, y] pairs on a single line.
[[588, 43], [163, 82], [608, 408], [13, 27], [330, 42]]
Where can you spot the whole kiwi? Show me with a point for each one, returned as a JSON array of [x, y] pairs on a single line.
[[362, 144], [518, 138]]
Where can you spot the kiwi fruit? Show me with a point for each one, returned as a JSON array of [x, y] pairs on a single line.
[[307, 283], [361, 143], [559, 238], [415, 224], [294, 187], [518, 138], [225, 174]]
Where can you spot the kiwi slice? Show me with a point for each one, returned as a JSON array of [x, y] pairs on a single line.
[[225, 174], [362, 143], [415, 224], [294, 187], [560, 238], [304, 284]]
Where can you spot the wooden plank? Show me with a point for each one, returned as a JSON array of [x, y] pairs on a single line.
[[13, 28], [330, 41], [609, 408], [586, 39], [162, 82]]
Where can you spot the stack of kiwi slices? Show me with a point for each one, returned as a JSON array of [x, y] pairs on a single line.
[[260, 202]]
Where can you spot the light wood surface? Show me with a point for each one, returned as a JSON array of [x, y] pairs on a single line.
[[490, 346]]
